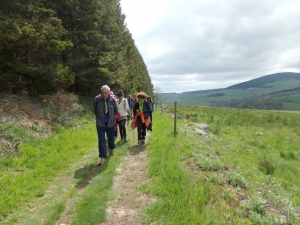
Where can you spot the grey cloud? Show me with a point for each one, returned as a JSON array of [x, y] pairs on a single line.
[[223, 40]]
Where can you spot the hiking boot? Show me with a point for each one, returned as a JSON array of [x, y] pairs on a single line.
[[126, 139], [101, 161], [111, 151], [139, 142], [143, 141]]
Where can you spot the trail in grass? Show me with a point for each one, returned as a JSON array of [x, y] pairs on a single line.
[[70, 187], [64, 218], [128, 201]]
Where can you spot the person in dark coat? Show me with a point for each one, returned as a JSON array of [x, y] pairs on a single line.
[[105, 110], [151, 105], [141, 113]]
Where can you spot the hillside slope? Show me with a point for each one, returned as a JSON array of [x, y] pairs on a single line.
[[276, 91], [266, 80]]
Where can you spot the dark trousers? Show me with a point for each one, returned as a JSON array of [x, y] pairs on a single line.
[[109, 131], [141, 128], [122, 128], [116, 130]]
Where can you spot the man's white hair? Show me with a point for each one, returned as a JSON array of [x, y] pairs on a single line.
[[105, 87]]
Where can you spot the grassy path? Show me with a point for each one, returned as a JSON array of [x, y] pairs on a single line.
[[61, 193], [128, 200], [79, 193]]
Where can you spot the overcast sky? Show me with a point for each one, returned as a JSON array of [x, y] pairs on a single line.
[[192, 45]]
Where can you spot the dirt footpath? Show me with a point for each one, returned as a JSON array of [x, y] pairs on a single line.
[[128, 201]]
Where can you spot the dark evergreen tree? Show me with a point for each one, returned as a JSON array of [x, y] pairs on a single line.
[[31, 47], [49, 45]]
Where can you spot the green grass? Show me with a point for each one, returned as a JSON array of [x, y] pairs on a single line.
[[245, 172], [232, 177], [90, 207], [50, 172], [26, 176]]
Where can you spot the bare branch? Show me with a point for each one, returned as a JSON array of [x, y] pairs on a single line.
[[8, 126], [12, 149]]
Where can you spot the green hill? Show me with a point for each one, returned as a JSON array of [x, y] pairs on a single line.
[[279, 91], [263, 82]]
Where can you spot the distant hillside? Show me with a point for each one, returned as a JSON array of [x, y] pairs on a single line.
[[262, 81], [280, 91], [202, 91]]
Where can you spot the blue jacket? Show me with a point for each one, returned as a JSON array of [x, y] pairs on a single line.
[[151, 106], [131, 102]]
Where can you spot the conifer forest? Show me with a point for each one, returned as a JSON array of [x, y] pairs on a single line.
[[73, 45]]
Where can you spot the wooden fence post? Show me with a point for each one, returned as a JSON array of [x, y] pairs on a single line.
[[162, 109], [175, 117]]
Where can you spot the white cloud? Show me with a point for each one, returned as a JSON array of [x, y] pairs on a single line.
[[205, 44], [142, 15]]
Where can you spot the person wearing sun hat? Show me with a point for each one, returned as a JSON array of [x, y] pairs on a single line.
[[141, 112]]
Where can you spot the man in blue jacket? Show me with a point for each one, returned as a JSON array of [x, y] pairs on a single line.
[[131, 103], [105, 109]]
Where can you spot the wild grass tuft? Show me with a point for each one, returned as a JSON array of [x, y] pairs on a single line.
[[236, 179], [267, 167], [208, 164], [289, 155]]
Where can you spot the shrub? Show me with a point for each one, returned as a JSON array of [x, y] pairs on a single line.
[[64, 108], [207, 164], [216, 128], [214, 178], [235, 179], [267, 167], [227, 195], [289, 155]]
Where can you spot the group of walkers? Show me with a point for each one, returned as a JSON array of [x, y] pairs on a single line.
[[113, 111]]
